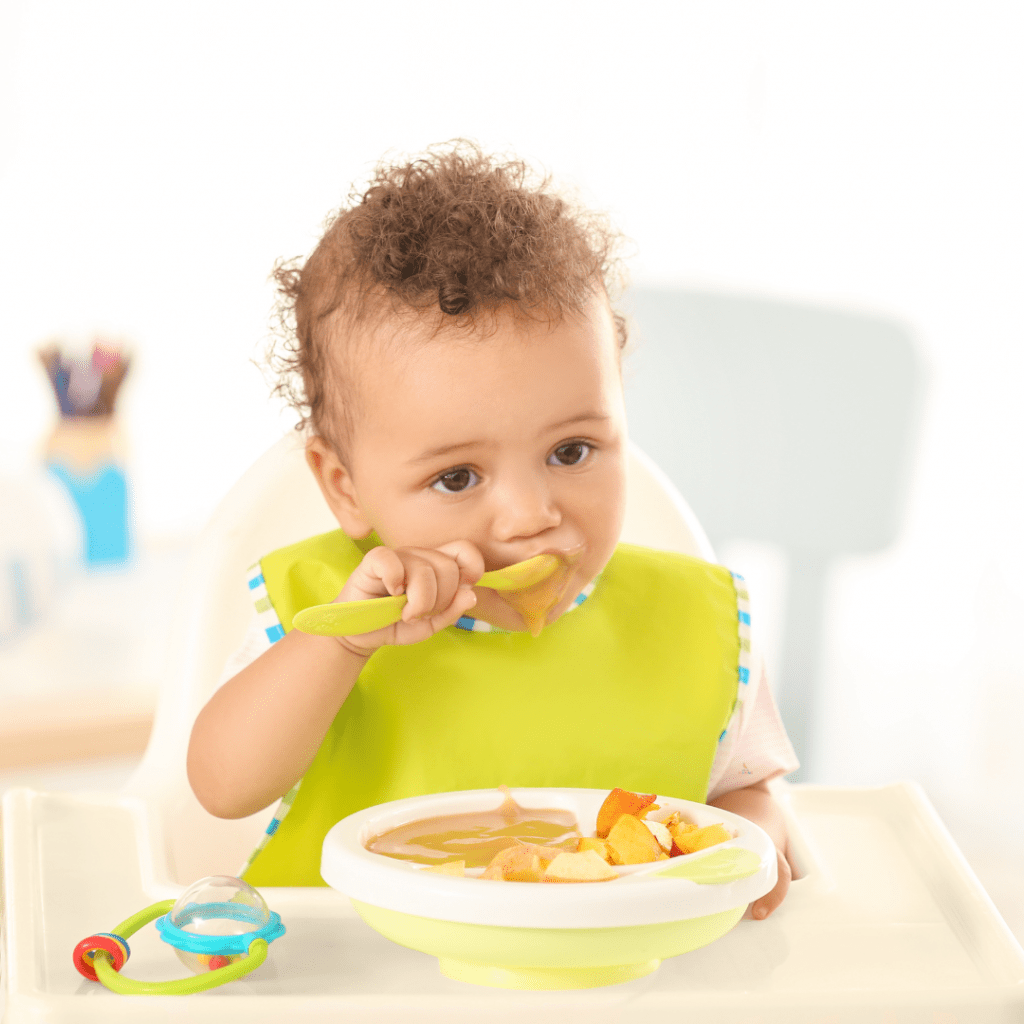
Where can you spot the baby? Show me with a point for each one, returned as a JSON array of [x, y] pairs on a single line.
[[459, 361]]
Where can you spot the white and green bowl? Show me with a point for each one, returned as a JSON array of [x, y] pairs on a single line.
[[534, 935]]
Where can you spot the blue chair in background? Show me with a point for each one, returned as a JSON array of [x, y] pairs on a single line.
[[779, 423]]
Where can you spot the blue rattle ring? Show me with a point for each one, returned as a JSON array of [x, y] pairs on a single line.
[[195, 942]]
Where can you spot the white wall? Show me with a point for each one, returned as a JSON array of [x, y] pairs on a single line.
[[155, 160]]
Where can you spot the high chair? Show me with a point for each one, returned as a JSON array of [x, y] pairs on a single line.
[[887, 925]]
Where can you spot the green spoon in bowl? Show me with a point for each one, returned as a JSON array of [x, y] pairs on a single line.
[[350, 618]]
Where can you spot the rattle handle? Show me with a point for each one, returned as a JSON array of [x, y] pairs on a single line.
[[184, 986]]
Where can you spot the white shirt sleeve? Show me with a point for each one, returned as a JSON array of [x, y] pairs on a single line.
[[755, 745]]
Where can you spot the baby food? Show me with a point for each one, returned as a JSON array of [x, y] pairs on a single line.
[[516, 844], [477, 837], [534, 603]]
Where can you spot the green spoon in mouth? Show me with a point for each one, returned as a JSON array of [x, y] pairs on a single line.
[[350, 618]]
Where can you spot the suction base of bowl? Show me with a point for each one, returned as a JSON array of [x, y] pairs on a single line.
[[546, 958], [537, 978]]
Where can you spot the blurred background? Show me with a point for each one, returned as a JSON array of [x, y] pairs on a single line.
[[858, 163]]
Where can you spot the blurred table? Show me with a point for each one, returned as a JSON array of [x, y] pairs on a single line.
[[82, 683]]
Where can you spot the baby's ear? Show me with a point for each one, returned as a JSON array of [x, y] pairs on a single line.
[[337, 487]]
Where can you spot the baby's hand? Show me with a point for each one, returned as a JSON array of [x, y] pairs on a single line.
[[760, 909], [438, 582]]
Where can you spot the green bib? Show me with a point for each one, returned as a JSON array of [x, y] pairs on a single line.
[[633, 689]]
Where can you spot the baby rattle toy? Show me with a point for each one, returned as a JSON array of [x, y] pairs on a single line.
[[220, 927]]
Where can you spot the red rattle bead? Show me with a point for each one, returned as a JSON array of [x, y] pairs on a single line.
[[87, 949]]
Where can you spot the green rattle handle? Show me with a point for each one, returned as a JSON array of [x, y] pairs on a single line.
[[142, 918], [181, 986], [117, 982]]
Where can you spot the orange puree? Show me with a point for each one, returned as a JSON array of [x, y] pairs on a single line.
[[476, 836], [534, 603]]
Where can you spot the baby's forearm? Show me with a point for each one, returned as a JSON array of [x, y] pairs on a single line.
[[756, 804], [261, 730]]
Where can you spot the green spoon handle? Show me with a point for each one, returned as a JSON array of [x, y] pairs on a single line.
[[350, 618]]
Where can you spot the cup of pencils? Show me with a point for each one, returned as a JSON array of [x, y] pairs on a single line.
[[85, 451]]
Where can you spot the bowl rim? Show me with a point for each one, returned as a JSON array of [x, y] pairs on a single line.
[[633, 899]]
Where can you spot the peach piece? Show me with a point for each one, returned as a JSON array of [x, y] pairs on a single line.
[[579, 867], [599, 846], [631, 842], [617, 803], [514, 864], [546, 853], [691, 838]]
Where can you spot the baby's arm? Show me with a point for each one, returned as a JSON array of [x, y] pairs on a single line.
[[756, 804], [260, 731]]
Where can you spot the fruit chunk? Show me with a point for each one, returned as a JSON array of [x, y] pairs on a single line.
[[599, 846], [631, 842], [619, 802], [587, 866], [546, 853], [690, 838], [455, 868], [660, 833], [514, 864]]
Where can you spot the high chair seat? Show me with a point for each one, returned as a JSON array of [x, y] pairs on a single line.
[[275, 503], [887, 924]]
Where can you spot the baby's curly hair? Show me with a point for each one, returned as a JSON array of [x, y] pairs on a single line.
[[454, 233]]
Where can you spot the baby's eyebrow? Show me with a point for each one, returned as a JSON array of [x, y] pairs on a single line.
[[585, 417], [445, 449]]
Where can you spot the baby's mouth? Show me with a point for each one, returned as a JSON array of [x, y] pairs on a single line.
[[535, 603]]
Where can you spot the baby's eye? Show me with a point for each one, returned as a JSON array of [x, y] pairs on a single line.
[[569, 454], [455, 480]]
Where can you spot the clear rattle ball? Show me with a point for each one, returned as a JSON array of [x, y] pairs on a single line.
[[218, 905]]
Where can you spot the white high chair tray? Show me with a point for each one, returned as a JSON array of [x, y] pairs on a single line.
[[889, 926]]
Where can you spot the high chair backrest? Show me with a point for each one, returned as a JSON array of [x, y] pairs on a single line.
[[275, 503], [785, 423]]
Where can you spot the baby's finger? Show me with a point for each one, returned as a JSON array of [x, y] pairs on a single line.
[[421, 588], [761, 908], [468, 558], [463, 601], [447, 578], [381, 570]]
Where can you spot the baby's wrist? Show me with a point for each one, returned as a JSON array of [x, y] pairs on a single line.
[[358, 652]]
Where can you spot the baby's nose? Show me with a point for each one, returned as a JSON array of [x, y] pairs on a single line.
[[524, 509]]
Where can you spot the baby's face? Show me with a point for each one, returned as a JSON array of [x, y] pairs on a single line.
[[515, 441]]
